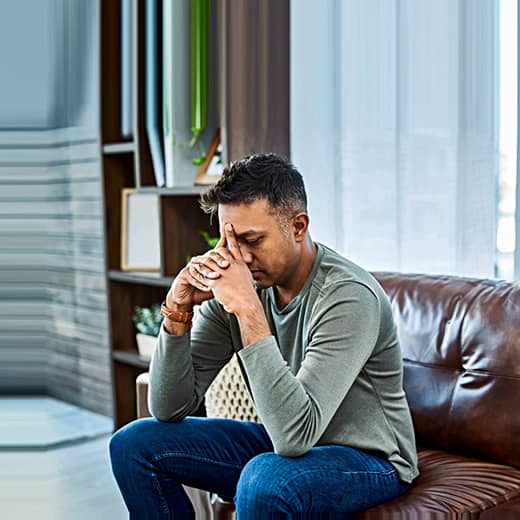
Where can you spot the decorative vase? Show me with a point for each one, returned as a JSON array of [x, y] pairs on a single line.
[[146, 345]]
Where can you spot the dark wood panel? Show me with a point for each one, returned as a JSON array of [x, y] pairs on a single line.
[[256, 76], [124, 392], [181, 224], [110, 71]]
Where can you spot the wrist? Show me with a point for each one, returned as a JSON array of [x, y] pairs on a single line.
[[173, 305], [179, 307], [247, 304], [181, 316], [249, 309], [253, 323], [175, 328]]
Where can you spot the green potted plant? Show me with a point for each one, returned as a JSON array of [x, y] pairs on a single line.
[[148, 322]]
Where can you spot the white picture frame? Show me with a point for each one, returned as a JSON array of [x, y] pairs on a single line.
[[140, 241]]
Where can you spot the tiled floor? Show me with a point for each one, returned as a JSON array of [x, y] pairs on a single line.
[[54, 463], [43, 422], [68, 483]]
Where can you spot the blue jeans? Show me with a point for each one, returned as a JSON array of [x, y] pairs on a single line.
[[235, 459]]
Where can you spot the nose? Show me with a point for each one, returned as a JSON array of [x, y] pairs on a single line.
[[246, 255]]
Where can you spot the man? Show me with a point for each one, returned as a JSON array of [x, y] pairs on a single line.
[[317, 344]]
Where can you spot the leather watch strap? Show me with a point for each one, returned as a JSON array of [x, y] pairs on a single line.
[[178, 316]]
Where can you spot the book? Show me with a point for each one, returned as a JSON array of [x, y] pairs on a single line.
[[126, 68], [152, 92]]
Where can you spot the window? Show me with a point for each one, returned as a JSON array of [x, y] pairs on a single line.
[[507, 138]]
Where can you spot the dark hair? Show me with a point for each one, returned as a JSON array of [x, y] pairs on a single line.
[[261, 176]]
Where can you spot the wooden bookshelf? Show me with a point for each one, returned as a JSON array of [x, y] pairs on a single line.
[[253, 66], [127, 163]]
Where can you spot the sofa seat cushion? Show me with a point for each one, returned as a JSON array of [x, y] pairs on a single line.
[[452, 485]]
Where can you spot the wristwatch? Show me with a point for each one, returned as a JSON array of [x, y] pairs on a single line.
[[178, 316]]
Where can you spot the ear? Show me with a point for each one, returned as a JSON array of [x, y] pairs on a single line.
[[300, 225]]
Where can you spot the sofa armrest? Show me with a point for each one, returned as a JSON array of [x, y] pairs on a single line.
[[141, 384], [200, 499]]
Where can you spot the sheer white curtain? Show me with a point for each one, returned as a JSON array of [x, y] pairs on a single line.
[[393, 124]]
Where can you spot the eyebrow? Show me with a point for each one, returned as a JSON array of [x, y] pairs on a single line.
[[248, 233]]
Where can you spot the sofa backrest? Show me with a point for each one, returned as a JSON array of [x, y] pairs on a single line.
[[460, 339]]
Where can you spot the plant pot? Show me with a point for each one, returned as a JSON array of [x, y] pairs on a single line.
[[146, 345]]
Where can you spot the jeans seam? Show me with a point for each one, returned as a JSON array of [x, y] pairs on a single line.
[[164, 502], [306, 472], [194, 457], [290, 489], [380, 473]]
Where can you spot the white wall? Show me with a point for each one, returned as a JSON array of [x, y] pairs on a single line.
[[53, 302]]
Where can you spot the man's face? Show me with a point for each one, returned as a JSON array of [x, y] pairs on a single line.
[[270, 252]]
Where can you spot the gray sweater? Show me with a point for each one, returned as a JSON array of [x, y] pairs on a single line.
[[330, 373]]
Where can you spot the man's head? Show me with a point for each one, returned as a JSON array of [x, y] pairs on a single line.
[[263, 176], [263, 197]]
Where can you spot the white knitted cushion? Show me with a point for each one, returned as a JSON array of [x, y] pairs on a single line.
[[228, 396]]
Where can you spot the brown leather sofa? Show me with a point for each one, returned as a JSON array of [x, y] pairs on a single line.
[[461, 351]]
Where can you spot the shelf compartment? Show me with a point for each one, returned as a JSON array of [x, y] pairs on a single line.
[[118, 174], [111, 71], [140, 278], [131, 359], [181, 223], [124, 297]]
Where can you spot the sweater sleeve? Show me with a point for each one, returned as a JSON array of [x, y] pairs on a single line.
[[183, 367], [296, 408]]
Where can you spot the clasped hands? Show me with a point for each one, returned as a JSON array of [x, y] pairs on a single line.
[[223, 273]]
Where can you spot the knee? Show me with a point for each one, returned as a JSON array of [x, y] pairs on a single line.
[[128, 442], [262, 485]]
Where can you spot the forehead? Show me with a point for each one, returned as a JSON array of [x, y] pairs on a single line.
[[256, 215]]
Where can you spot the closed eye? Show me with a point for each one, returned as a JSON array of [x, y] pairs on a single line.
[[252, 242]]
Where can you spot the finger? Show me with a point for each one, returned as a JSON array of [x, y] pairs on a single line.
[[196, 282], [215, 263], [233, 247], [216, 256], [207, 268], [205, 284], [195, 271], [222, 256]]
